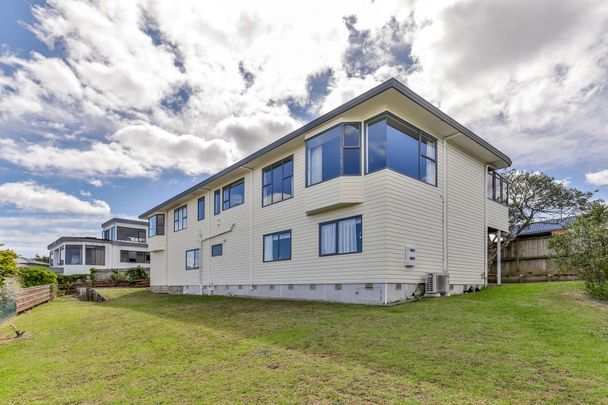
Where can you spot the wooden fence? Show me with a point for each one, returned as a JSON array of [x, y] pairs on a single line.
[[527, 260], [30, 297]]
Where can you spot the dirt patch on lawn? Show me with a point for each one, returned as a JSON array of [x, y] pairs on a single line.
[[583, 298]]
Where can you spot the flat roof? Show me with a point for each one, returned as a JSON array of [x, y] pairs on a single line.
[[124, 221], [83, 239], [387, 85]]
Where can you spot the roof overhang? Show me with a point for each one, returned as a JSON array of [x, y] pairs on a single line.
[[390, 93]]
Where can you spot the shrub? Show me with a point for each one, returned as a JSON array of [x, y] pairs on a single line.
[[135, 274], [65, 281], [8, 267], [583, 247], [93, 276], [118, 277], [33, 276]]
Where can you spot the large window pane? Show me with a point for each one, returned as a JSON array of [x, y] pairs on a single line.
[[341, 236], [233, 194], [351, 135], [288, 167], [324, 156], [277, 182], [130, 234], [402, 149], [201, 208], [192, 259], [287, 188], [73, 254], [284, 246], [277, 246], [95, 255]]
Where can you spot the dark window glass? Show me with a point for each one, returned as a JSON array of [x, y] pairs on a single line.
[[95, 255], [341, 237], [217, 250], [61, 256], [277, 182], [201, 208], [351, 135], [132, 256], [73, 254], [216, 202], [396, 145], [352, 161], [497, 187], [192, 259], [180, 218], [127, 234], [233, 194], [277, 246]]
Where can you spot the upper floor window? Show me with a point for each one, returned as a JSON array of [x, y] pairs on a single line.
[[192, 259], [277, 246], [61, 256], [156, 225], [341, 236], [130, 234], [392, 143], [113, 233], [277, 182], [217, 204], [497, 187], [217, 250], [233, 194], [201, 208], [106, 234], [180, 218], [335, 152]]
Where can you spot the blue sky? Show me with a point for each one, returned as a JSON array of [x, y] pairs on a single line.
[[108, 109]]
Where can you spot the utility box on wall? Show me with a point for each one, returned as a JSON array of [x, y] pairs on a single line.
[[410, 255]]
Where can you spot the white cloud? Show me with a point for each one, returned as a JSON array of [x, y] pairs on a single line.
[[599, 178], [96, 183], [85, 193], [32, 197]]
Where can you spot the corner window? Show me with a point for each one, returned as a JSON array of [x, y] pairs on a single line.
[[180, 218], [192, 259], [217, 250], [341, 237], [277, 182], [277, 246], [73, 254], [95, 255], [156, 225], [201, 208], [217, 204], [335, 152], [233, 194], [61, 256], [394, 144], [127, 234], [497, 187]]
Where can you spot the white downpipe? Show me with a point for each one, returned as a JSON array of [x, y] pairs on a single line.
[[385, 293], [445, 200], [498, 258]]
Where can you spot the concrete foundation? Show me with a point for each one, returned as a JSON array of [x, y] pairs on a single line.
[[352, 293]]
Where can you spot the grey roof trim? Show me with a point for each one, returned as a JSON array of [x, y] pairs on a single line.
[[124, 221], [67, 239], [389, 84]]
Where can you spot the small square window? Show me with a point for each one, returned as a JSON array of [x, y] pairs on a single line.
[[369, 286], [290, 287], [313, 286], [338, 287], [398, 287], [217, 250]]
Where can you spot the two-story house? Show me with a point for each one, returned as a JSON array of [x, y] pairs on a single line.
[[365, 204], [122, 245]]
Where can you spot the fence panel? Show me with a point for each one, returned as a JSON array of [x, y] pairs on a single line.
[[32, 296]]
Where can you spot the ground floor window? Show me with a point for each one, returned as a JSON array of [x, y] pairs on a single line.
[[95, 255], [341, 236], [192, 259], [132, 256], [73, 254], [277, 246]]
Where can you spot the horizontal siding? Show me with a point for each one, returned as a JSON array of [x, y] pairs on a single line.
[[497, 215], [465, 222]]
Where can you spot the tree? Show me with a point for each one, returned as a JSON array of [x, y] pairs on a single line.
[[8, 267], [33, 276], [535, 197], [583, 247], [43, 259]]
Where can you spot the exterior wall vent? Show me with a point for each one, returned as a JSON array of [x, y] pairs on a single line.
[[313, 286], [338, 287], [271, 286], [398, 286], [290, 286], [369, 286]]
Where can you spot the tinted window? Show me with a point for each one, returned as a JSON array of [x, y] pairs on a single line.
[[277, 182], [277, 246], [73, 254], [201, 208], [95, 255], [192, 259], [233, 194], [216, 202], [217, 250]]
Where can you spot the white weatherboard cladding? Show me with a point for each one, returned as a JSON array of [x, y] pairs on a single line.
[[497, 215], [397, 211]]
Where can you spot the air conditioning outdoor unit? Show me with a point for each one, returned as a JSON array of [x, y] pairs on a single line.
[[437, 283]]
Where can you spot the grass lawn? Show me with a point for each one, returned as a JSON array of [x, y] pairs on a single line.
[[541, 342]]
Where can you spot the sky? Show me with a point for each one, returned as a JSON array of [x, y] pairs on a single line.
[[110, 107]]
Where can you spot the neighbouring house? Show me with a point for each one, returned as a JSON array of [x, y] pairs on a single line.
[[528, 257], [123, 244], [25, 262], [366, 204]]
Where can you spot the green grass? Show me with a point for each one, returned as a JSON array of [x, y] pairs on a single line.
[[517, 343]]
